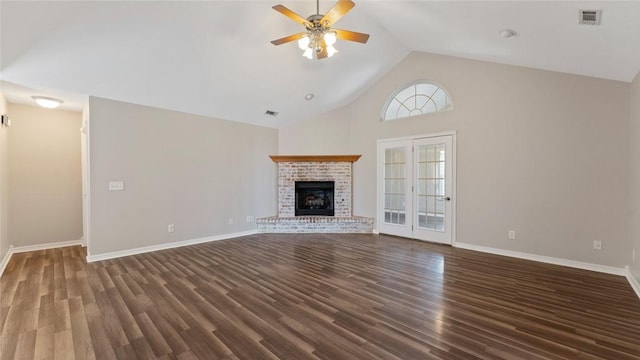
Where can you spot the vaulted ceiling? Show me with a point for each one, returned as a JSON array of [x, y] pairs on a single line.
[[214, 58]]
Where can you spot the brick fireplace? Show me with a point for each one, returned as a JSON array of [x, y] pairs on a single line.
[[315, 168]]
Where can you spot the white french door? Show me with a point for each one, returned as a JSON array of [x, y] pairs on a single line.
[[394, 188], [415, 188]]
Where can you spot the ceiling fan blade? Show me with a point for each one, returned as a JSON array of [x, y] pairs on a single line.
[[291, 15], [337, 12], [351, 35], [289, 38]]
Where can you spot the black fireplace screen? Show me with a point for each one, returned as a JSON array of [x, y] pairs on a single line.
[[314, 198]]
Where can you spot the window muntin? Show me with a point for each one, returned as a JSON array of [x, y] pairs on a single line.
[[416, 99]]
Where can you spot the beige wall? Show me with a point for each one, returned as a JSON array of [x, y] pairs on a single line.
[[635, 176], [44, 176], [4, 178], [190, 171], [327, 134], [542, 153]]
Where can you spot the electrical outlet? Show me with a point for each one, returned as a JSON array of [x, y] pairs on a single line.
[[512, 235], [116, 185], [230, 221], [597, 245], [170, 228]]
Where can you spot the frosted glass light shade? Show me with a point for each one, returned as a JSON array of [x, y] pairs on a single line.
[[47, 102], [303, 43], [330, 38], [331, 51]]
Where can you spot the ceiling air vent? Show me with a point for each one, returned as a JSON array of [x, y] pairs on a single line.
[[589, 17], [271, 113]]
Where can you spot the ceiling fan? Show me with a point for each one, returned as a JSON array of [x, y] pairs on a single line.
[[318, 39]]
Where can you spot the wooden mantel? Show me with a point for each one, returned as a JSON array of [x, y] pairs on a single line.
[[315, 158]]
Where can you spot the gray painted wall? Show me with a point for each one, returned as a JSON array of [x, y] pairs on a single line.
[[190, 171], [45, 197], [539, 152]]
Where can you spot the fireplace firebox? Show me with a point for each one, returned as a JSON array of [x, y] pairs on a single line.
[[314, 198]]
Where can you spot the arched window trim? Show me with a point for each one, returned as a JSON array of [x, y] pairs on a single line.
[[407, 85]]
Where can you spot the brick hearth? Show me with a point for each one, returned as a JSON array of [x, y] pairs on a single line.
[[315, 224]]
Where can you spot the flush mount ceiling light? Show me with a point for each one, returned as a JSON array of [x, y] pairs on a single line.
[[47, 102], [308, 97], [318, 39]]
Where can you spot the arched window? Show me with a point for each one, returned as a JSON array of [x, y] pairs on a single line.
[[418, 98]]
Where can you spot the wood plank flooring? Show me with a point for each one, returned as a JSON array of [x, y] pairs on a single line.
[[312, 296]]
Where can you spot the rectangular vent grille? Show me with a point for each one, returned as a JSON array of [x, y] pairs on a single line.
[[589, 17]]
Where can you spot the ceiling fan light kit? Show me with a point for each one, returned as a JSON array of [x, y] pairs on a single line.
[[318, 42], [318, 39]]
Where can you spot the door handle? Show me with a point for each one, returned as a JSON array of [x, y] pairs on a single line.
[[445, 198]]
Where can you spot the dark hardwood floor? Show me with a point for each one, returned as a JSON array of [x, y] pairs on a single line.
[[312, 296]]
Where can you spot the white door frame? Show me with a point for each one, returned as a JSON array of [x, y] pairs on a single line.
[[454, 198], [86, 182]]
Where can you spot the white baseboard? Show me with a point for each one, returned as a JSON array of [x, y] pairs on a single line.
[[146, 249], [54, 245], [545, 259], [21, 249], [5, 260], [626, 272], [635, 284]]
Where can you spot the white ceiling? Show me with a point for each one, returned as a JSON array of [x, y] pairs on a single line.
[[214, 58]]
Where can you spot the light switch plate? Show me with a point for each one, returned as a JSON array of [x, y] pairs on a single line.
[[116, 185], [4, 120]]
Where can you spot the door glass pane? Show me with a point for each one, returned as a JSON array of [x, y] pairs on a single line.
[[431, 152], [430, 171], [430, 187], [422, 170], [395, 169], [439, 187]]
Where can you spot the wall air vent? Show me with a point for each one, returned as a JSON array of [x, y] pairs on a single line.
[[589, 17], [271, 113]]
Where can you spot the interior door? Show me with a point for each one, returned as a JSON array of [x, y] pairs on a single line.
[[415, 187]]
